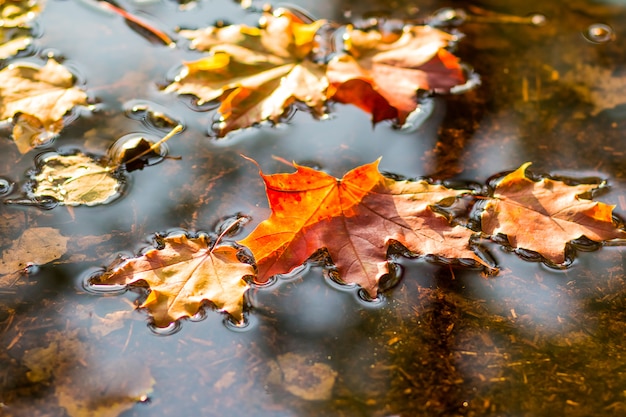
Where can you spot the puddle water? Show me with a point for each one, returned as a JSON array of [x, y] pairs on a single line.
[[445, 340]]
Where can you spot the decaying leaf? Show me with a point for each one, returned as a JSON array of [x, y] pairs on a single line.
[[36, 246], [84, 383], [382, 74], [183, 275], [37, 99], [75, 180], [300, 376], [544, 216], [354, 218], [255, 72]]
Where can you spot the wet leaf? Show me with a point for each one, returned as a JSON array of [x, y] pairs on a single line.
[[75, 180], [255, 72], [36, 246], [85, 384], [544, 216], [15, 13], [300, 376], [354, 218], [14, 19], [12, 41], [37, 98], [183, 275], [382, 74]]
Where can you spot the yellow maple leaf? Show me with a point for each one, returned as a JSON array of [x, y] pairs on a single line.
[[184, 274], [37, 98], [255, 72]]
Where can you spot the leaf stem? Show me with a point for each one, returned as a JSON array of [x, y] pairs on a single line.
[[228, 229], [154, 146], [132, 18]]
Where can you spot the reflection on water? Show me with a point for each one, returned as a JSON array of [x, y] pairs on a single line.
[[444, 341]]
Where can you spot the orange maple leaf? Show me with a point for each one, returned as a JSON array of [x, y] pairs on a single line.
[[182, 275], [543, 216], [382, 75], [354, 218]]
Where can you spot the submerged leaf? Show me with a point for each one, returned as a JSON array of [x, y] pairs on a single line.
[[87, 382], [255, 73], [75, 180], [544, 216], [184, 274], [37, 99], [300, 376], [36, 246], [355, 219]]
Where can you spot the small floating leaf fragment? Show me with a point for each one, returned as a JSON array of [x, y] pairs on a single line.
[[36, 99], [599, 33], [76, 180]]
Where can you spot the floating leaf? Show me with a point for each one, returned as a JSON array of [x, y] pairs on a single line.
[[255, 72], [37, 99], [543, 216], [184, 274], [14, 13], [12, 41], [355, 219], [381, 74], [75, 180]]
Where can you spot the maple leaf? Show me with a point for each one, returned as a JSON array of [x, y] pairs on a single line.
[[354, 218], [37, 98], [543, 216], [255, 72], [382, 75], [182, 275]]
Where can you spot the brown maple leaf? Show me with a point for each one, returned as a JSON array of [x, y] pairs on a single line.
[[255, 72], [37, 98], [544, 216], [354, 218], [382, 75], [184, 274]]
